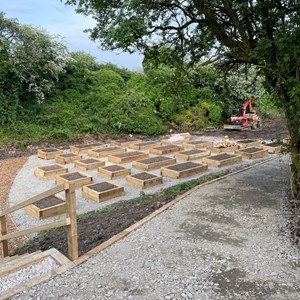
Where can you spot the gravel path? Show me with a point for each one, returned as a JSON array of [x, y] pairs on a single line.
[[227, 240], [8, 170]]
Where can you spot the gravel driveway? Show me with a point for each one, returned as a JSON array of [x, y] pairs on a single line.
[[227, 240]]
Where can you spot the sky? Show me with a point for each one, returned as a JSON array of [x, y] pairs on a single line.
[[56, 18]]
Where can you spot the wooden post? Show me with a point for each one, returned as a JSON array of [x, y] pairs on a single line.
[[3, 231], [72, 215]]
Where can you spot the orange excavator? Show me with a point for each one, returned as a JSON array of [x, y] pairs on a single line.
[[243, 117]]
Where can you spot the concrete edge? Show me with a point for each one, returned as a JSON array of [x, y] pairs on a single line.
[[146, 219]]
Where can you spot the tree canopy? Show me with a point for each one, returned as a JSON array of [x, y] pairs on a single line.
[[263, 33]]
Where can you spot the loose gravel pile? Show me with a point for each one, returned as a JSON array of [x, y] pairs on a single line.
[[25, 274]]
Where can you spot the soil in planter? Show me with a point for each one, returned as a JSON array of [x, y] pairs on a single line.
[[183, 166], [221, 156], [87, 146], [191, 152], [147, 143], [251, 150], [246, 141], [167, 147], [68, 155], [113, 168], [48, 202], [196, 142], [143, 176], [88, 161], [50, 168], [274, 144], [128, 154], [72, 176], [107, 149], [102, 186], [153, 160], [50, 150]]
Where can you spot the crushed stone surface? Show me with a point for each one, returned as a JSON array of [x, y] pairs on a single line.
[[25, 274], [227, 240]]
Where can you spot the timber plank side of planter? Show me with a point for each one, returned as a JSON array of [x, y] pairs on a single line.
[[143, 180], [48, 153], [183, 169], [103, 152], [192, 154], [79, 149], [57, 207], [47, 172], [145, 145], [113, 171], [88, 164], [127, 157], [216, 150], [124, 142], [102, 191], [153, 163], [252, 152], [197, 144], [165, 149], [67, 158], [223, 159], [248, 143], [272, 148], [78, 178]]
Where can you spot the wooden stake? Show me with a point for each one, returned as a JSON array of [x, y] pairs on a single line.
[[3, 231], [72, 228]]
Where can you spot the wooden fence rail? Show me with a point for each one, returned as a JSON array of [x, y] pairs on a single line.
[[70, 221]]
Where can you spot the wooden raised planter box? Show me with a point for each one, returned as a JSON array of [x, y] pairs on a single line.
[[105, 151], [192, 154], [47, 172], [48, 207], [223, 159], [197, 144], [183, 169], [248, 143], [252, 152], [77, 178], [102, 191], [48, 153], [79, 149], [127, 157], [165, 149], [114, 171], [67, 158], [143, 180], [272, 147], [88, 164], [217, 150], [144, 145], [153, 163], [124, 142]]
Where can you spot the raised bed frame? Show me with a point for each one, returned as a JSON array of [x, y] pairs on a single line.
[[149, 180], [79, 149], [216, 150], [197, 144], [88, 164], [144, 145], [103, 152], [48, 153], [127, 157], [183, 169], [102, 195], [79, 182], [252, 152], [67, 158], [192, 154], [47, 172], [272, 149], [248, 143], [113, 172], [229, 159], [166, 149], [153, 163], [47, 212]]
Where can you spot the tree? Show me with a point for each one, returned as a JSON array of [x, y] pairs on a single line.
[[263, 33], [37, 58]]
